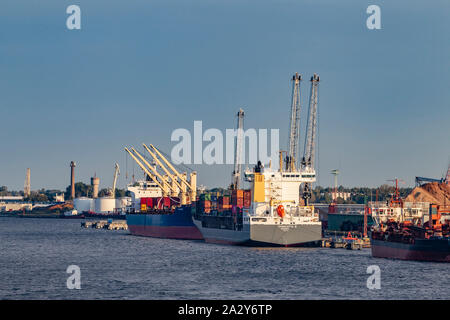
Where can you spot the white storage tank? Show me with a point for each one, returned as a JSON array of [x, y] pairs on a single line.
[[83, 204], [105, 205], [123, 202]]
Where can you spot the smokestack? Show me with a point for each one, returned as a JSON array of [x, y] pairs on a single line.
[[27, 187], [72, 180], [95, 183]]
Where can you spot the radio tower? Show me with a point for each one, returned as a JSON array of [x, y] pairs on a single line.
[[294, 128], [27, 185], [236, 176]]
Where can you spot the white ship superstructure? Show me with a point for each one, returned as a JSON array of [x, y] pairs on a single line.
[[143, 189]]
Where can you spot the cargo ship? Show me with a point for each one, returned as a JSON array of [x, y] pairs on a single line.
[[414, 239], [160, 208], [169, 224], [275, 214], [269, 214]]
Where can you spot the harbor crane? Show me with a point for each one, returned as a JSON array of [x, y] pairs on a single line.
[[192, 186], [147, 172], [164, 180], [116, 173], [421, 180], [311, 126], [176, 186], [445, 179], [172, 182], [294, 129], [236, 175], [308, 160]]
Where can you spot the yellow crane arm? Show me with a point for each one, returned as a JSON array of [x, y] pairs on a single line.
[[172, 168], [145, 169], [174, 179], [153, 170]]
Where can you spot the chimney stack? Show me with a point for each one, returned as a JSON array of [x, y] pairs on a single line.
[[72, 180]]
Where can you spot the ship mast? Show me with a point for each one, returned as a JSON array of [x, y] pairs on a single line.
[[236, 176], [294, 128]]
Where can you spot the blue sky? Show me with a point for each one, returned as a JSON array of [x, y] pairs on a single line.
[[139, 69]]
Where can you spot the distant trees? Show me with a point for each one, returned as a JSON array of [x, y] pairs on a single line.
[[37, 196], [81, 190], [3, 191], [358, 195]]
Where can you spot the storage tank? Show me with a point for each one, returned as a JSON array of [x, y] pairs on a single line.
[[123, 202], [105, 205], [83, 204]]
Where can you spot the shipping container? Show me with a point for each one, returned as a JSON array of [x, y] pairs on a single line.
[[224, 200], [205, 196], [237, 193]]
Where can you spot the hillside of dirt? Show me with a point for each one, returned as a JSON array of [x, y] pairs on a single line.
[[434, 192]]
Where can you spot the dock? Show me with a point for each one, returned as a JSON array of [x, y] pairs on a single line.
[[105, 224], [349, 242]]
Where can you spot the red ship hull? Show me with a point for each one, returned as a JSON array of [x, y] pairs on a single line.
[[437, 250]]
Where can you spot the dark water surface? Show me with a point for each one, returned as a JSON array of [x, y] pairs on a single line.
[[35, 253]]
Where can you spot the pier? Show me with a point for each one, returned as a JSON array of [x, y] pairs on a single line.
[[105, 224], [345, 241]]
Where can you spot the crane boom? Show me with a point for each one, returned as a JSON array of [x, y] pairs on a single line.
[[294, 128], [162, 166], [116, 173], [155, 172], [145, 169], [236, 182], [172, 167], [311, 127]]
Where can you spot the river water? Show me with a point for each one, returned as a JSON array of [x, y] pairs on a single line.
[[35, 254]]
